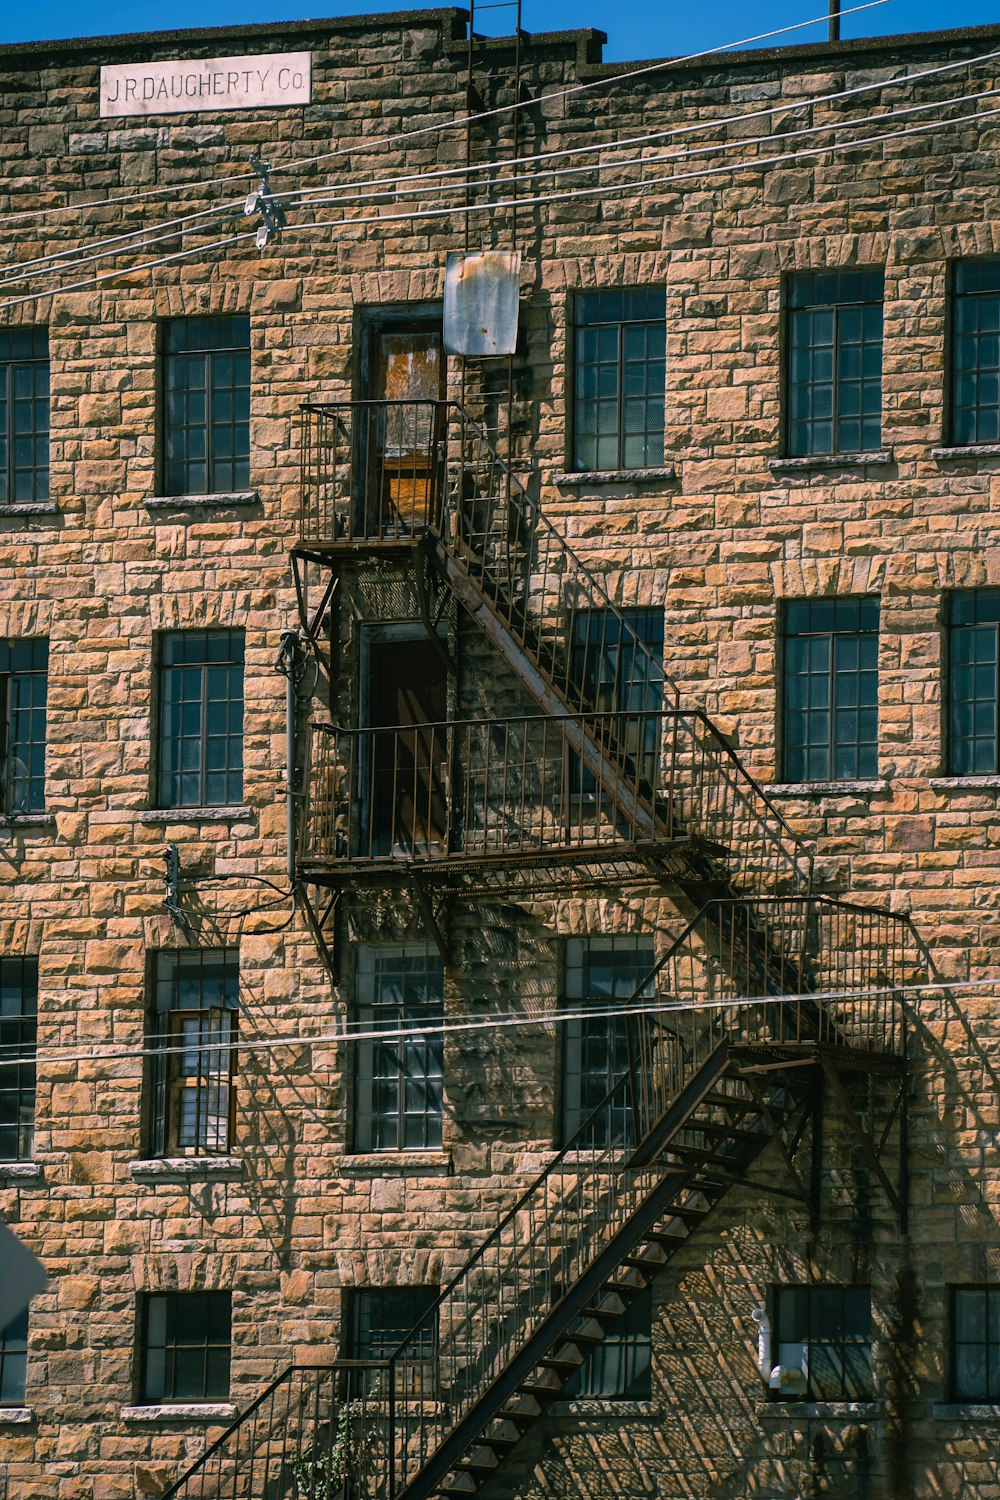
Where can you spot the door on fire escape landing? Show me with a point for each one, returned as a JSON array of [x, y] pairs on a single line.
[[407, 702], [404, 431]]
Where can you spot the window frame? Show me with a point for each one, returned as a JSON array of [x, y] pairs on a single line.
[[413, 1384], [955, 298], [634, 1353], [814, 1292], [14, 1353], [990, 1394], [174, 361], [9, 362], [806, 748], [169, 1395], [573, 383], [977, 598], [19, 973], [234, 662], [12, 679], [168, 1084], [365, 1118], [574, 1106], [789, 350]]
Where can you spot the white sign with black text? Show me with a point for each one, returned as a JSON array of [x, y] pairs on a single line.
[[206, 83]]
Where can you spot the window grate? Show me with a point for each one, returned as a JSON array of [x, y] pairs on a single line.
[[206, 363], [24, 415], [830, 729], [18, 1040], [186, 1346], [399, 1082], [23, 700], [835, 362], [192, 1071], [201, 718], [619, 378]]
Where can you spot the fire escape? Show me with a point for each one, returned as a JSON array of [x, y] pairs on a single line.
[[769, 999]]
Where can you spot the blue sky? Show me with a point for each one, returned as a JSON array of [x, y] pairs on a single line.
[[636, 28]]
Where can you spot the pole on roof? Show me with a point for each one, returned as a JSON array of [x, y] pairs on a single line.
[[834, 34]]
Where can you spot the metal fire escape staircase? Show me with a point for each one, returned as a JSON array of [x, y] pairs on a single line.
[[769, 997]]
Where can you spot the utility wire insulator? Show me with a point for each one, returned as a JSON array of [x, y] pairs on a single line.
[[262, 201]]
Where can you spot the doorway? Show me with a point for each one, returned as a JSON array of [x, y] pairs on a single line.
[[407, 704], [405, 380]]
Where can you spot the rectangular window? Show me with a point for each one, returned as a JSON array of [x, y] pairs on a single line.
[[825, 1331], [974, 683], [18, 1036], [24, 415], [201, 718], [191, 1094], [620, 1368], [206, 388], [380, 1319], [975, 1343], [14, 1361], [612, 674], [399, 1082], [24, 680], [835, 362], [186, 1342], [619, 378], [975, 353], [831, 690], [600, 973]]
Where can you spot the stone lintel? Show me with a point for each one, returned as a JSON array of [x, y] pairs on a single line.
[[195, 814], [221, 501], [186, 1411], [828, 461], [187, 1168]]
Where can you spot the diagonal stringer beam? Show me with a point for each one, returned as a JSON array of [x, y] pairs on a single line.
[[866, 1138]]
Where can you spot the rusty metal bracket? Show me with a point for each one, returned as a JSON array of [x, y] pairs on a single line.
[[432, 918], [864, 1137], [319, 923]]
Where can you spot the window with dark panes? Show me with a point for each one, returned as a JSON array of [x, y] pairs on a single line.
[[14, 1361], [830, 729], [24, 415], [201, 718], [619, 1368], [380, 1320], [829, 1329], [834, 362], [398, 1082], [974, 683], [24, 667], [975, 353], [18, 1036], [206, 405], [975, 1343], [601, 972], [191, 1073], [619, 378], [614, 674], [186, 1344]]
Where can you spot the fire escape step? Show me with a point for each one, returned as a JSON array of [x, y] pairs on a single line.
[[568, 1358], [648, 1256], [521, 1407], [479, 1459], [608, 1310]]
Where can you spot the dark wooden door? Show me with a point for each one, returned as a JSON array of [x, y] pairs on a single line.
[[407, 701]]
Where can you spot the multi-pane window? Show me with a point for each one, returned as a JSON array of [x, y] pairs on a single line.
[[975, 1343], [614, 674], [14, 1361], [619, 366], [834, 362], [194, 1020], [380, 1320], [398, 1082], [201, 718], [601, 973], [23, 693], [826, 1331], [830, 727], [186, 1343], [18, 1034], [24, 415], [620, 1368], [975, 353], [974, 683], [206, 378]]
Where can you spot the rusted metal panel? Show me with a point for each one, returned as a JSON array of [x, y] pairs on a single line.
[[480, 302]]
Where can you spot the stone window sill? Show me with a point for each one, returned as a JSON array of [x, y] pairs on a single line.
[[617, 476], [396, 1164], [11, 1416], [824, 788], [187, 1169], [605, 1406], [227, 814], [202, 502], [972, 450], [186, 1411], [27, 820], [829, 1410], [966, 1411], [30, 508], [965, 783], [828, 461], [20, 1171]]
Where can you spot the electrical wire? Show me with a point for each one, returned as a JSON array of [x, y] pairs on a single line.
[[494, 1023], [460, 121]]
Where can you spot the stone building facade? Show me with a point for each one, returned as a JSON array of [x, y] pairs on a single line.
[[137, 595]]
